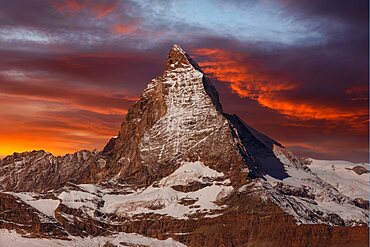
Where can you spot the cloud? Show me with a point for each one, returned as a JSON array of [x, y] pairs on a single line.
[[124, 28], [124, 71], [269, 89], [71, 5], [90, 100], [39, 123], [353, 13], [98, 8], [102, 10]]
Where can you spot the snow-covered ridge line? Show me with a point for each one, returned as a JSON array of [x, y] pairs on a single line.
[[341, 175], [314, 192]]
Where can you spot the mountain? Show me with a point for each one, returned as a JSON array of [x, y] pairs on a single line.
[[180, 172]]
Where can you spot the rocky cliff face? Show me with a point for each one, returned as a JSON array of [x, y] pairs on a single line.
[[39, 171], [180, 167]]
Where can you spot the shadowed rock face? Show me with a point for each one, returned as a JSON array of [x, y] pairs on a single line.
[[179, 120]]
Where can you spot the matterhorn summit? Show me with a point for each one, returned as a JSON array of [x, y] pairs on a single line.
[[178, 119], [182, 172]]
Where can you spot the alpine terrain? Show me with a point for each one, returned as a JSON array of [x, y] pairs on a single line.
[[182, 172]]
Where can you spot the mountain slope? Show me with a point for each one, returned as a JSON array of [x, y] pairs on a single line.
[[180, 167]]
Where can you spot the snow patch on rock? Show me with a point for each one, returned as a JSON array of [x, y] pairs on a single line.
[[190, 172], [165, 200], [45, 206], [80, 200]]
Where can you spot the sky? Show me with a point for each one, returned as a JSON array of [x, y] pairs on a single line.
[[295, 70]]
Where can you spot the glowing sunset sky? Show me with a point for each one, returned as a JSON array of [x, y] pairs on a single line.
[[298, 72]]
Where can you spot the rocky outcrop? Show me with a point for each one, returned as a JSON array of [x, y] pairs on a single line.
[[361, 203], [40, 171], [17, 215], [360, 170]]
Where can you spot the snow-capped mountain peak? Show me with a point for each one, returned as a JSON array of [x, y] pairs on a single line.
[[181, 167]]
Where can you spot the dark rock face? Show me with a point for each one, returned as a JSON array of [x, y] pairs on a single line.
[[178, 120], [361, 203], [360, 170], [110, 145], [289, 190]]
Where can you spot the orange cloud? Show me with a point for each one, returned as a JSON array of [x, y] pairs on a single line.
[[29, 124], [102, 10], [265, 88], [229, 68], [124, 28], [98, 9], [304, 110], [70, 5]]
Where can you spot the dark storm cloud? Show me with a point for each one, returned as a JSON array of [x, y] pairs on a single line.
[[353, 12], [127, 71], [88, 99]]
